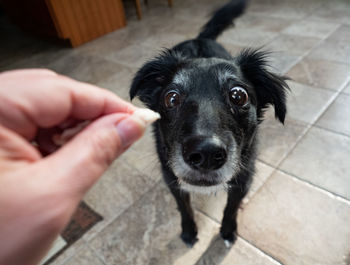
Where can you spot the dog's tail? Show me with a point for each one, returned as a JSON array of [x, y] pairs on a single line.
[[222, 19]]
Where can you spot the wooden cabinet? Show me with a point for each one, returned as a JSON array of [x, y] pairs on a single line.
[[76, 20]]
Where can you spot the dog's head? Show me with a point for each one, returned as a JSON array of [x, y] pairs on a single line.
[[210, 109]]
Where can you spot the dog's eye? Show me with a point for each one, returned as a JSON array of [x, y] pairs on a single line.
[[171, 99], [238, 96]]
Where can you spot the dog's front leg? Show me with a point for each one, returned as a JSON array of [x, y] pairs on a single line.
[[189, 228], [229, 223]]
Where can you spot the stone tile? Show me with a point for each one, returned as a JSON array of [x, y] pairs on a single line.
[[117, 190], [263, 23], [107, 44], [211, 205], [84, 68], [175, 253], [263, 172], [120, 81], [240, 253], [347, 89], [281, 62], [183, 27], [148, 233], [164, 40], [279, 10], [335, 12], [214, 205], [306, 103], [138, 31], [320, 73], [328, 165], [233, 49], [86, 256], [194, 14], [247, 37], [296, 223], [333, 51], [276, 140], [292, 44], [57, 245], [69, 252], [143, 156], [311, 28], [134, 56], [337, 116], [336, 46], [244, 253], [342, 34]]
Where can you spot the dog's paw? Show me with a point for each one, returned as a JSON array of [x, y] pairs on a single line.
[[228, 244], [189, 238], [229, 238], [189, 233]]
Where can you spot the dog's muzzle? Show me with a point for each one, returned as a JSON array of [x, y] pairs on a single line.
[[204, 153]]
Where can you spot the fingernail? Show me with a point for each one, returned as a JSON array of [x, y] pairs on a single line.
[[146, 115], [129, 130], [132, 128]]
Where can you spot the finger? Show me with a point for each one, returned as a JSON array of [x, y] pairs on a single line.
[[83, 160], [80, 162], [51, 139], [31, 72], [14, 149], [46, 100], [89, 101], [44, 140]]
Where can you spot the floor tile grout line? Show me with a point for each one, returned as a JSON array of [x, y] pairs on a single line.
[[97, 254], [309, 127], [240, 236], [324, 108], [300, 137], [278, 168], [262, 251], [332, 131], [275, 168], [143, 175], [337, 196], [321, 88], [76, 252], [337, 95], [205, 214], [114, 218], [304, 133], [303, 56]]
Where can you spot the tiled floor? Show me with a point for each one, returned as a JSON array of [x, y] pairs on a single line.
[[298, 211]]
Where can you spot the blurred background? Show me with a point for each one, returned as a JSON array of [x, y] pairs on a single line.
[[298, 209]]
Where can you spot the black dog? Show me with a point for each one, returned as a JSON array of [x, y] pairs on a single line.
[[210, 105]]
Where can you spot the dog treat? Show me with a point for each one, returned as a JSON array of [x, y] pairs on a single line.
[[147, 115], [68, 133]]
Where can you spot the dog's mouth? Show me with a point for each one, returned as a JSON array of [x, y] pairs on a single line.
[[200, 182], [190, 178]]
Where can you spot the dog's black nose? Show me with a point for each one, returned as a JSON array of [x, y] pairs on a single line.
[[203, 153]]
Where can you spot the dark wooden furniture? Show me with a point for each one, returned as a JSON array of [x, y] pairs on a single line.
[[75, 20]]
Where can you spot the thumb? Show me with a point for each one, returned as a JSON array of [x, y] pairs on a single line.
[[79, 163]]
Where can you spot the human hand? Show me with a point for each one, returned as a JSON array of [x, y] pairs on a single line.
[[39, 194]]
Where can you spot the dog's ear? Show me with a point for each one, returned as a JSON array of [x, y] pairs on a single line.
[[154, 76], [270, 88]]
